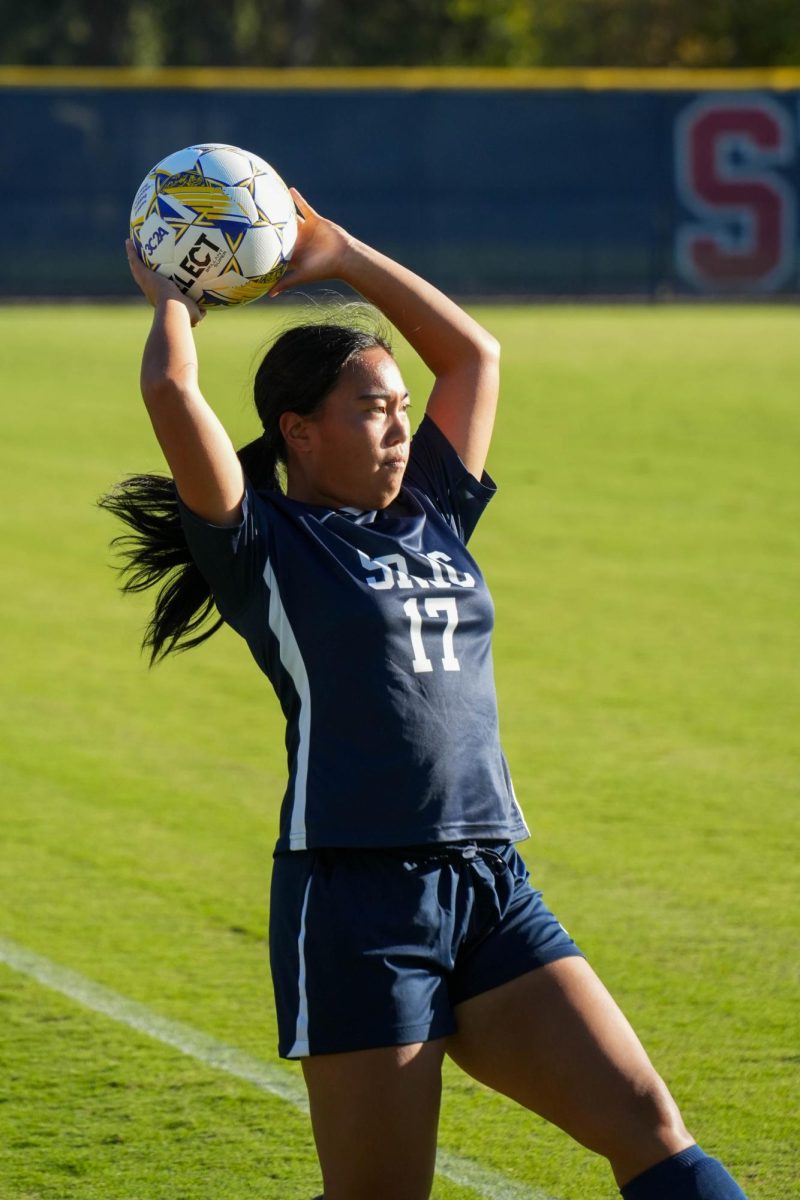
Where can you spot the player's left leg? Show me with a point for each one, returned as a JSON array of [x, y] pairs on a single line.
[[555, 1041]]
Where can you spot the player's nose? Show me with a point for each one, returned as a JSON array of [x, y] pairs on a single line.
[[397, 429]]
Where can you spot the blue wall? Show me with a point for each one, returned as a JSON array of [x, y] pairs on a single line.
[[503, 192]]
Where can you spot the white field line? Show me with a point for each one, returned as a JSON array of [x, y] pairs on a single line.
[[278, 1081]]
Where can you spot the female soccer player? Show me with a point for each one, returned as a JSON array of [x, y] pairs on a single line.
[[402, 924]]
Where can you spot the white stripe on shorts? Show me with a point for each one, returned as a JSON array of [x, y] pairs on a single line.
[[300, 1047]]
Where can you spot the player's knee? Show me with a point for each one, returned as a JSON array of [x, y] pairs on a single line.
[[659, 1111], [652, 1118], [648, 1129], [645, 1122]]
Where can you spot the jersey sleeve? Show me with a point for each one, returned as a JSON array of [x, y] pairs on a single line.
[[231, 559], [435, 469]]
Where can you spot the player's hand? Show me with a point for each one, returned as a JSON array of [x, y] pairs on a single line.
[[158, 288], [319, 251]]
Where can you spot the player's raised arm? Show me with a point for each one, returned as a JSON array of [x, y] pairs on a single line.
[[201, 456], [462, 355]]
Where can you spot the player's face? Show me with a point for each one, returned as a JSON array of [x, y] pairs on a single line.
[[358, 440]]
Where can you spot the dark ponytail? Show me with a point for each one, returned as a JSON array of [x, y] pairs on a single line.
[[295, 375], [155, 550]]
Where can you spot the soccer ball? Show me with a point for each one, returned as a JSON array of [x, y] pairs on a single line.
[[216, 220]]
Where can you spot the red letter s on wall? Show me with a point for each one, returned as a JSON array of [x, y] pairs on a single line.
[[743, 237]]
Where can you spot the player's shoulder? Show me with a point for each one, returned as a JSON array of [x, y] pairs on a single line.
[[436, 470]]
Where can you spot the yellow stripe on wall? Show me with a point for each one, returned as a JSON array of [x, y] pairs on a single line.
[[404, 78]]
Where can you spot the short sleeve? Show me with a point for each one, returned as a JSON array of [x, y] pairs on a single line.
[[435, 469], [231, 559]]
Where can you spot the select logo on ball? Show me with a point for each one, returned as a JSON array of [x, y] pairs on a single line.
[[204, 255]]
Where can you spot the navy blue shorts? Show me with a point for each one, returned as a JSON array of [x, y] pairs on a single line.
[[377, 947]]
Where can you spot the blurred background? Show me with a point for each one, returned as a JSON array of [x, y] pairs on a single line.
[[508, 148]]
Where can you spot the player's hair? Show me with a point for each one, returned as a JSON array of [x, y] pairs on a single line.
[[295, 375]]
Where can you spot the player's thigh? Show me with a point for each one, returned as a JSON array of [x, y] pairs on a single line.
[[375, 1115], [555, 1041]]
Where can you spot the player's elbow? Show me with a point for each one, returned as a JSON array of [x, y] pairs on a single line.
[[490, 348], [486, 349], [162, 391], [481, 357]]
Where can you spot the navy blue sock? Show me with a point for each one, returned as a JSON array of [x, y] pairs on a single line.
[[689, 1175]]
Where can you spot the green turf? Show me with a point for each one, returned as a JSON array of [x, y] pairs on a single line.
[[643, 555]]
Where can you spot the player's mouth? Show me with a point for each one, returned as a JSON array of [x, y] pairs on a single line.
[[394, 464]]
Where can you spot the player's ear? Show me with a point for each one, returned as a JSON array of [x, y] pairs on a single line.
[[295, 432]]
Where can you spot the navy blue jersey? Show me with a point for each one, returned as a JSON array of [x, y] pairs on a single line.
[[374, 629]]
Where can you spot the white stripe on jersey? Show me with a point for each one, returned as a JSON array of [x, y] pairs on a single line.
[[300, 1047], [293, 662]]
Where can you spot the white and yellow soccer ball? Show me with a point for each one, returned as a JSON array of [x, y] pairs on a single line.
[[218, 221]]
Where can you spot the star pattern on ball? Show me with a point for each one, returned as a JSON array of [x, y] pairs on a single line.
[[217, 220]]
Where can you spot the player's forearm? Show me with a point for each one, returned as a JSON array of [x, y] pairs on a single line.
[[200, 454], [445, 337], [170, 356]]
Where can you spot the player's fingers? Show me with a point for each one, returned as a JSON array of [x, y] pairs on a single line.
[[287, 280], [134, 262], [130, 250], [303, 207]]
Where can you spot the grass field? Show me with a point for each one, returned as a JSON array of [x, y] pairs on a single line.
[[644, 556]]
